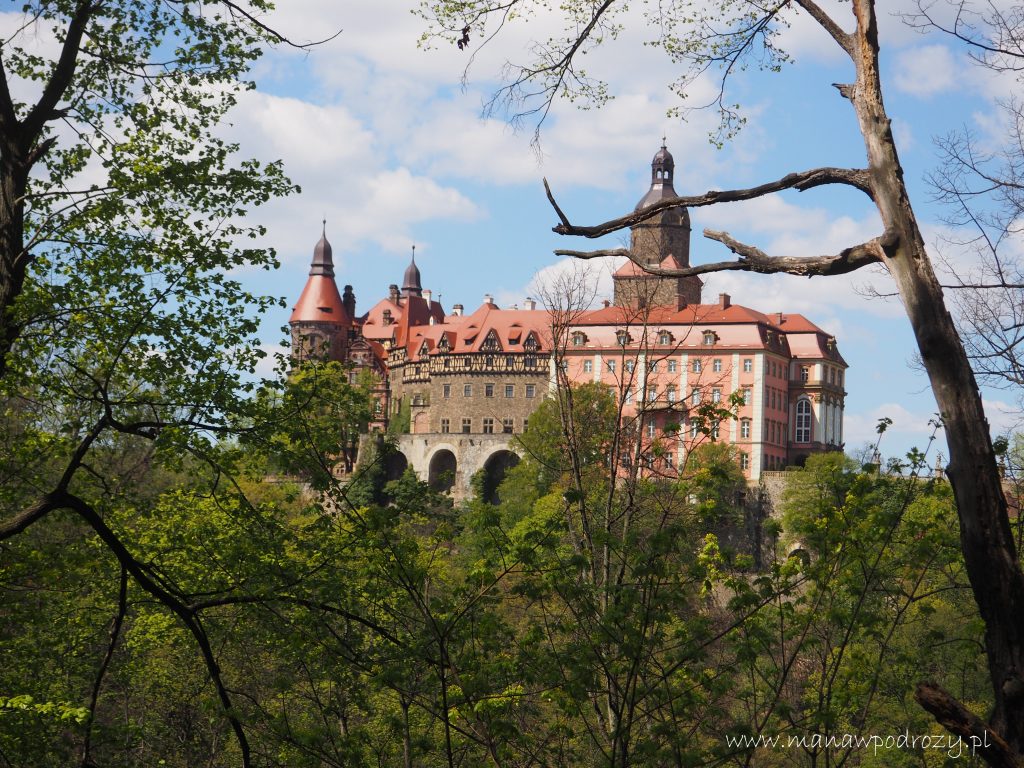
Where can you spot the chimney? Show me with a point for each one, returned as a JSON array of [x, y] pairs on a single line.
[[488, 299], [393, 292], [457, 310], [606, 303], [427, 295], [724, 300], [349, 300], [530, 303], [778, 318]]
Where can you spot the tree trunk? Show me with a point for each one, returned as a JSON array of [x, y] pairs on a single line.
[[13, 260], [986, 539]]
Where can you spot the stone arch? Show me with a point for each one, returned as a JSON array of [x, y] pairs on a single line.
[[442, 469], [798, 551], [493, 472], [395, 465]]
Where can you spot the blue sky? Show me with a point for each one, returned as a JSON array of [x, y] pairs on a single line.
[[390, 146]]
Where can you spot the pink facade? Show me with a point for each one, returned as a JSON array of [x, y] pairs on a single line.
[[664, 364]]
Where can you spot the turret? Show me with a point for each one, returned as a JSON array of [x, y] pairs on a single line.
[[320, 320]]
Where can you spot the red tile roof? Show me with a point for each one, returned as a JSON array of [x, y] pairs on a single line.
[[320, 302]]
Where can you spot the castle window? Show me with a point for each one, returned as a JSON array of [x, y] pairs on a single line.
[[446, 390], [668, 461], [744, 462], [653, 366], [696, 365], [803, 420], [467, 426], [510, 390], [588, 366], [670, 393], [716, 365], [611, 366], [748, 365], [746, 397], [716, 395], [490, 361], [805, 373], [652, 394], [673, 366], [695, 395], [531, 390], [488, 390], [714, 431], [447, 363], [488, 425], [709, 338], [508, 362], [629, 366], [467, 390], [445, 426], [506, 426], [531, 361], [745, 428], [664, 337], [579, 339], [651, 430]]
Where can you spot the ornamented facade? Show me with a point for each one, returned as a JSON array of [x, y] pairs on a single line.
[[664, 354]]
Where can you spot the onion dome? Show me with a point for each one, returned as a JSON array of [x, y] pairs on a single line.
[[662, 170], [411, 282]]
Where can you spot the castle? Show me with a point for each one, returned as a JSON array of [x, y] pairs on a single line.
[[462, 385]]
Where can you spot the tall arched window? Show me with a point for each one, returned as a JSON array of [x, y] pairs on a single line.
[[803, 420]]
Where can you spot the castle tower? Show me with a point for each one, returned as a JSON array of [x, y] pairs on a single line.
[[660, 241], [319, 320]]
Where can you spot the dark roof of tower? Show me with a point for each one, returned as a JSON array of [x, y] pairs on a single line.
[[323, 256], [411, 281], [662, 170]]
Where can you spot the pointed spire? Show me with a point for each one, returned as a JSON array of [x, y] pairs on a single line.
[[411, 282], [323, 256]]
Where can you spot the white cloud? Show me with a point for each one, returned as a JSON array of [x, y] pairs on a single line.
[[926, 70], [910, 428]]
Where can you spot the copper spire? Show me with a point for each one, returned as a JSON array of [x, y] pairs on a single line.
[[323, 256], [411, 282]]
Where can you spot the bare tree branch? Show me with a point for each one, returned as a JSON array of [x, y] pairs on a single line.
[[753, 259], [842, 37], [960, 721], [802, 181]]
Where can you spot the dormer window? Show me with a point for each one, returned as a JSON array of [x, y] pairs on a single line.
[[530, 345], [491, 343], [710, 337], [579, 339], [622, 338], [387, 317], [664, 338]]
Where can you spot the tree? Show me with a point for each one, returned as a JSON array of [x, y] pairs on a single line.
[[122, 331], [729, 35]]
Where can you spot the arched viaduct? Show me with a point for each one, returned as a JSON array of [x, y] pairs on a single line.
[[449, 461]]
